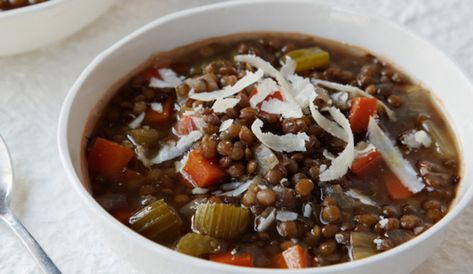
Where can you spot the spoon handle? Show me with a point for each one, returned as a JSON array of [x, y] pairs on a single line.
[[31, 244]]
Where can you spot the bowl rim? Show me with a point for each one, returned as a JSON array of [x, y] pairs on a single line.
[[149, 245], [30, 8]]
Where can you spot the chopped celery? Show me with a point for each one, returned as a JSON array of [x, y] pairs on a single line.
[[221, 220], [144, 136], [197, 245], [362, 245], [444, 147], [156, 221], [309, 58]]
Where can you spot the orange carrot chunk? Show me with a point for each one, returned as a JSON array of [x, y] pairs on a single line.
[[279, 261], [365, 163], [396, 190], [228, 258], [361, 110], [155, 118], [108, 158], [185, 125], [202, 172], [296, 257]]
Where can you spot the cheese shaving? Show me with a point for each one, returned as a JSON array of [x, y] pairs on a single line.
[[265, 158], [303, 88], [169, 79], [354, 91], [329, 126], [288, 68], [222, 104], [263, 89], [416, 139], [360, 197], [393, 158], [225, 125], [288, 142], [237, 191], [285, 216], [343, 161], [158, 107], [265, 222], [276, 106], [247, 80], [137, 121], [198, 122], [172, 150], [268, 69]]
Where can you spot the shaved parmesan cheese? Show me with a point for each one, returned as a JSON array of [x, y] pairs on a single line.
[[362, 198], [416, 139], [199, 190], [288, 142], [237, 191], [354, 91], [286, 216], [393, 157], [230, 186], [263, 89], [276, 106], [265, 222], [247, 80], [172, 150], [288, 68], [158, 107], [198, 122], [340, 165], [340, 98], [303, 88], [222, 104], [265, 159], [225, 125], [322, 168], [169, 79], [307, 210], [383, 222], [137, 121], [329, 126], [329, 155], [268, 69]]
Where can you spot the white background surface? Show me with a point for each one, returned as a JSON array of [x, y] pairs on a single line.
[[33, 86]]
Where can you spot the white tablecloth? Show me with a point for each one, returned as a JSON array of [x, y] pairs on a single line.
[[33, 86]]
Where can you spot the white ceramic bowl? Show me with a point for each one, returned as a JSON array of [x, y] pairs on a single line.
[[413, 55], [38, 25]]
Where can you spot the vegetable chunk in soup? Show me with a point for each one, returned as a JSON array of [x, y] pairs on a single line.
[[273, 150]]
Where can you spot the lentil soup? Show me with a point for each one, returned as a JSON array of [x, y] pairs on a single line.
[[273, 150]]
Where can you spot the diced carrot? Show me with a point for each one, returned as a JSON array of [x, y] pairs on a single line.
[[185, 125], [396, 190], [363, 164], [154, 118], [228, 258], [151, 73], [122, 215], [108, 158], [296, 257], [202, 172], [279, 261], [361, 110]]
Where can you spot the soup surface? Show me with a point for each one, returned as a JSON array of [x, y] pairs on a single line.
[[273, 150], [13, 4]]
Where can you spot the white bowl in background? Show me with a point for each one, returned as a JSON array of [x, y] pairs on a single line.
[[35, 26], [413, 55]]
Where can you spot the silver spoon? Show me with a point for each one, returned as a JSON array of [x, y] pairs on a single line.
[[6, 181]]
